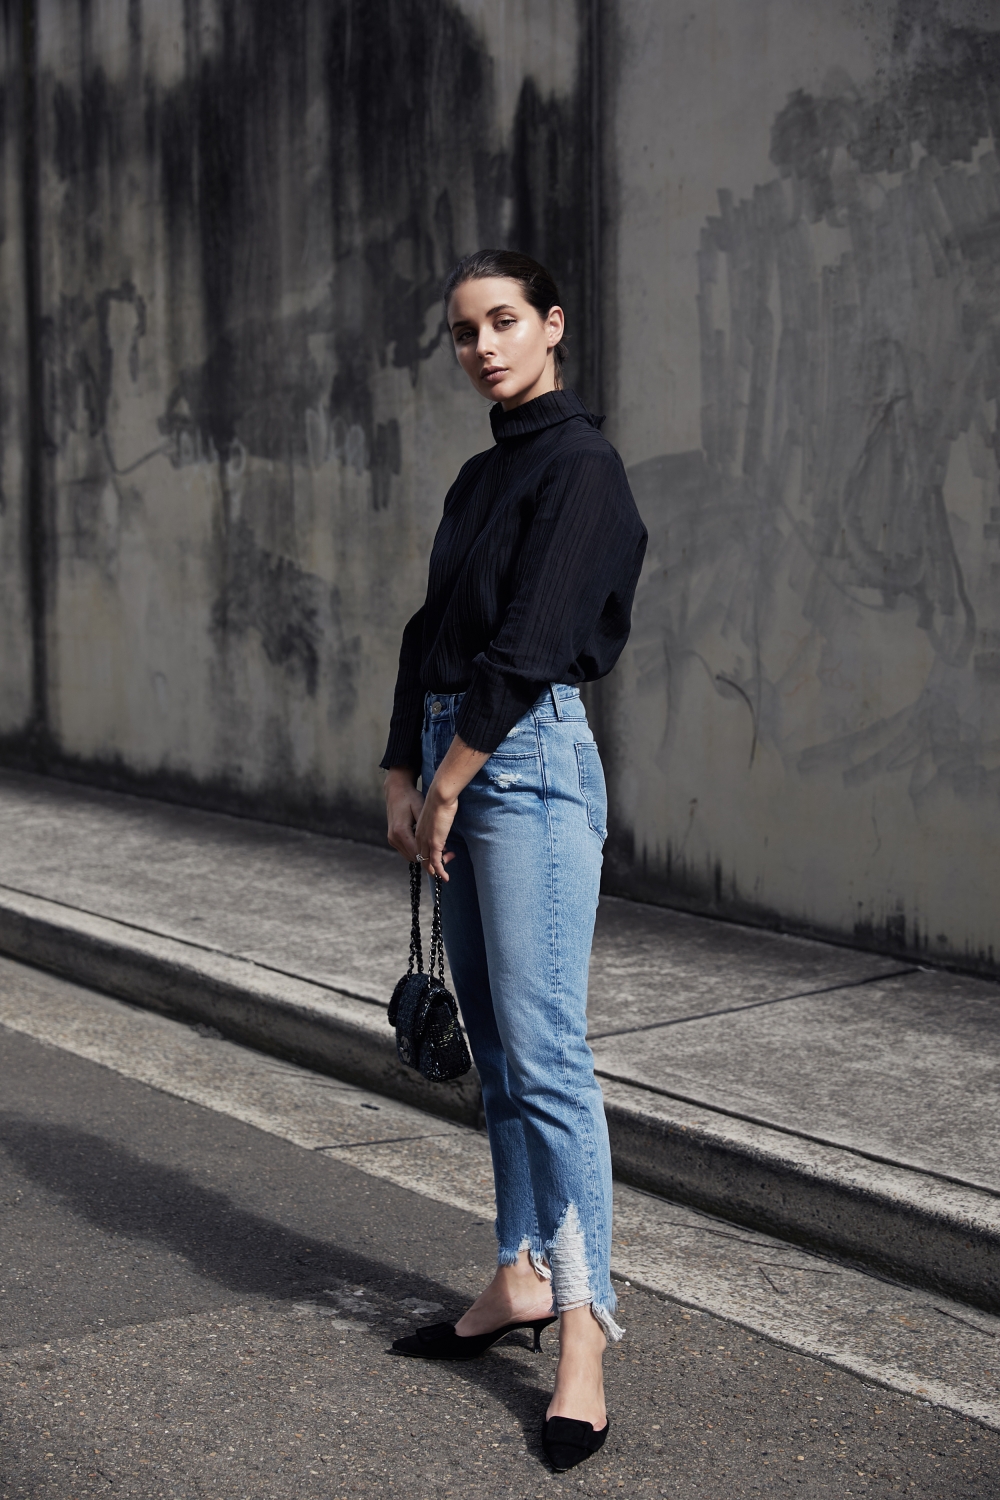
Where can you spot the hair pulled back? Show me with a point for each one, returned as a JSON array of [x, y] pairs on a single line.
[[539, 289]]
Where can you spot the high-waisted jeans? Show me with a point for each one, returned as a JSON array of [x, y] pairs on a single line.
[[518, 914]]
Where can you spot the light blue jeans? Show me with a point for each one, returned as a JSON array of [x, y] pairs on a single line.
[[518, 914]]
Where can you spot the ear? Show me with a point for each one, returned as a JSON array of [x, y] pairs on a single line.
[[555, 326]]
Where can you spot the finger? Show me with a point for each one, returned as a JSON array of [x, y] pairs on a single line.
[[403, 840], [436, 861]]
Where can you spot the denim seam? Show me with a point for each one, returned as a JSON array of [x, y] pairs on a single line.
[[556, 977], [585, 1133], [543, 768], [590, 1166], [578, 746], [586, 1128]]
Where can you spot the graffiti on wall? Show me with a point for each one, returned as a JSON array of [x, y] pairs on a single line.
[[846, 497]]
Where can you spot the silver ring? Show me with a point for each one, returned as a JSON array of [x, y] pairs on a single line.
[[420, 858]]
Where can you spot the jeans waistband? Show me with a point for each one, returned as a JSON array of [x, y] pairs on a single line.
[[443, 707]]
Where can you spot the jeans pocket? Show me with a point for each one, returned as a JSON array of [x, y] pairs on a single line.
[[592, 785]]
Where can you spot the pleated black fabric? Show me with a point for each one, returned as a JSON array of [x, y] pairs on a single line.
[[531, 579]]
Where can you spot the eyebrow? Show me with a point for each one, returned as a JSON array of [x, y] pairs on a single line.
[[500, 307]]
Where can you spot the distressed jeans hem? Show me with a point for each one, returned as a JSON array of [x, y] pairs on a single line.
[[508, 1256]]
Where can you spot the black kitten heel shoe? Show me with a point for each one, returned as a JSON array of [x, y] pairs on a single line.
[[567, 1442], [440, 1341]]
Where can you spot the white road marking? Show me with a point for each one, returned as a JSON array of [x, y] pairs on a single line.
[[911, 1341]]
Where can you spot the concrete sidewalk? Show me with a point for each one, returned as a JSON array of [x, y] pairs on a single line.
[[830, 1096]]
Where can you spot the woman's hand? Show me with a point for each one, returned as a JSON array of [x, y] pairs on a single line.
[[433, 828], [402, 805], [453, 775]]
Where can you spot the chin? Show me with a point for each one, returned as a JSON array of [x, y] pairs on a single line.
[[508, 390], [505, 391]]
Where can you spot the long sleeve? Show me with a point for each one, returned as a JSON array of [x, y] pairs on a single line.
[[403, 748], [577, 572]]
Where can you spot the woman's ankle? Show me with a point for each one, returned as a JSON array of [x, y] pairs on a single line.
[[580, 1333], [523, 1266]]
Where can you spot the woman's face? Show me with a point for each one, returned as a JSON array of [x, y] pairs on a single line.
[[504, 345]]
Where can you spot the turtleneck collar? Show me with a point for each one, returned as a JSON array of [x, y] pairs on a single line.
[[533, 416]]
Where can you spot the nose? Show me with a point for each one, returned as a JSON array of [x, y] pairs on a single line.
[[486, 346]]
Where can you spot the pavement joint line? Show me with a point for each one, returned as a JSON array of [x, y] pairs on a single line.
[[986, 1332], [733, 1010], [799, 1135], [388, 1140], [783, 1265], [735, 1232], [777, 1290]]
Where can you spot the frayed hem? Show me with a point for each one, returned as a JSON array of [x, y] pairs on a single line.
[[538, 1265], [613, 1331], [510, 1257], [568, 1259], [572, 1280]]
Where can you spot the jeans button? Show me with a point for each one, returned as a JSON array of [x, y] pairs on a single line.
[[435, 707]]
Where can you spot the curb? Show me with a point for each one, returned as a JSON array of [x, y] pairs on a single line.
[[904, 1223], [329, 1030], [908, 1225]]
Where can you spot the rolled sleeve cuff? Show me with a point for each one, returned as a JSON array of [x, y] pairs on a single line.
[[492, 705], [404, 748]]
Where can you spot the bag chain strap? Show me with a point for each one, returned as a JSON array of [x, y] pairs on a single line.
[[437, 937], [416, 945]]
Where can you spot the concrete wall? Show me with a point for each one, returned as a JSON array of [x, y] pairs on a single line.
[[250, 414], [806, 309], [776, 228]]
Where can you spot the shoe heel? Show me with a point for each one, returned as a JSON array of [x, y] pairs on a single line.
[[536, 1329]]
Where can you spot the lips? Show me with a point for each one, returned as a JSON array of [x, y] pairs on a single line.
[[492, 375]]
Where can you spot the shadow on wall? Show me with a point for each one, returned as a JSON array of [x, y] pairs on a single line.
[[844, 507]]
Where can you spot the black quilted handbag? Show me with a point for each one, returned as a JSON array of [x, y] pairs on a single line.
[[425, 1015]]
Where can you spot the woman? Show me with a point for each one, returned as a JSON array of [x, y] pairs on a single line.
[[531, 581]]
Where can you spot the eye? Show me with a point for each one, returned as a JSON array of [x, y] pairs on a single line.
[[505, 322]]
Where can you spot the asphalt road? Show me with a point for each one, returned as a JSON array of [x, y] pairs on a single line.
[[194, 1308]]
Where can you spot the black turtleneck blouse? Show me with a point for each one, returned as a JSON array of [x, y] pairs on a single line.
[[531, 580]]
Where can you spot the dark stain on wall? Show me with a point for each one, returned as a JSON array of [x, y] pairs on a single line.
[[310, 179], [406, 92], [550, 204], [271, 594]]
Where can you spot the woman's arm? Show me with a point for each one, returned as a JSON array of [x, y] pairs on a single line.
[[403, 748], [402, 806], [441, 803], [581, 554], [419, 825]]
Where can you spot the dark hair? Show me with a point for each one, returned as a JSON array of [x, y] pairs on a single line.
[[535, 282]]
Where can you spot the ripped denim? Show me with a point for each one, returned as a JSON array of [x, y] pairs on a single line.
[[518, 914]]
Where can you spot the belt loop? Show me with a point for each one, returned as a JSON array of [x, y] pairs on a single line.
[[555, 700]]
